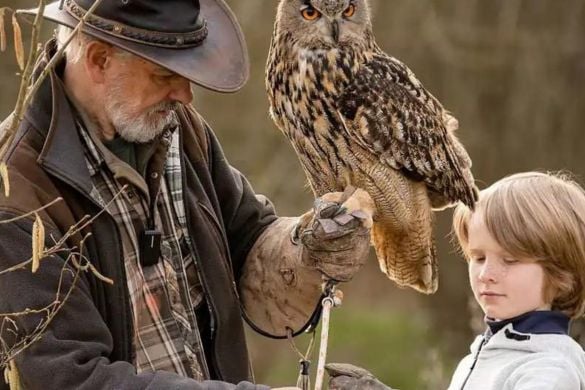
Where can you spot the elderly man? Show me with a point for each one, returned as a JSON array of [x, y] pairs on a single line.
[[190, 248]]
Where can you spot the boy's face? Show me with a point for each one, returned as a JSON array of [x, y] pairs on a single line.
[[504, 286]]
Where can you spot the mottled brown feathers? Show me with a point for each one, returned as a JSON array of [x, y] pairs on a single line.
[[403, 124]]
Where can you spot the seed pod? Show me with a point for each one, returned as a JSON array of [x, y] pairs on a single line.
[[4, 179], [14, 376], [38, 242], [11, 376], [2, 30], [18, 45]]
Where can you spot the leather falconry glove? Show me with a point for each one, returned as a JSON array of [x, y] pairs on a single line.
[[336, 233], [349, 377]]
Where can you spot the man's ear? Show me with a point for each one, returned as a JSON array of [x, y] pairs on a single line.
[[98, 56]]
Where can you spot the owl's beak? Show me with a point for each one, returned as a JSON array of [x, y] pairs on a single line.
[[335, 31]]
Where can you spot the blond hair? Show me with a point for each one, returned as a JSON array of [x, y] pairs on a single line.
[[539, 216]]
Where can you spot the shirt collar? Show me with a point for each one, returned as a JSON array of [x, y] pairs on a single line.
[[534, 322]]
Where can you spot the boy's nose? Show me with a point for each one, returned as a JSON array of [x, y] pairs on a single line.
[[489, 272]]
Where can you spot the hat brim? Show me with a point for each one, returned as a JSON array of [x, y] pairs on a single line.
[[220, 63]]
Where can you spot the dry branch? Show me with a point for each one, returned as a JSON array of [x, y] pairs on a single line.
[[26, 93], [74, 260]]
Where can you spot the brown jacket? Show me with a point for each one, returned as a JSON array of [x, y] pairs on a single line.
[[88, 345]]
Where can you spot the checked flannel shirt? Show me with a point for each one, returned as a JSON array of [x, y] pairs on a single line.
[[164, 296]]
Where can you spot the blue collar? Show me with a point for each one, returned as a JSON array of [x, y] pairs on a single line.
[[534, 322]]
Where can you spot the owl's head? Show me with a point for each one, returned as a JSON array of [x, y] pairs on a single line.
[[325, 24]]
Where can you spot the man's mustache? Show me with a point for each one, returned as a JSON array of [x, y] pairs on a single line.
[[166, 106]]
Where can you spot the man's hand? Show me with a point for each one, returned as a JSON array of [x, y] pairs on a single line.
[[349, 377], [336, 234]]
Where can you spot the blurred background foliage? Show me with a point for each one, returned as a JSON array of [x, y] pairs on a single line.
[[512, 72]]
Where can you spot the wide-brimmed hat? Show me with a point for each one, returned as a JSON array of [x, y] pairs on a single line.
[[197, 39]]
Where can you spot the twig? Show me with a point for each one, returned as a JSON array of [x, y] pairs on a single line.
[[78, 227], [32, 212], [74, 262], [23, 100], [38, 332]]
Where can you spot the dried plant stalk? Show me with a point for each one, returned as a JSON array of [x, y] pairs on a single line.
[[4, 181], [27, 92], [13, 376], [18, 45], [8, 321], [38, 242], [2, 30]]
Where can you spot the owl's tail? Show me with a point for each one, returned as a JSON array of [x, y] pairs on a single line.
[[402, 233], [408, 258]]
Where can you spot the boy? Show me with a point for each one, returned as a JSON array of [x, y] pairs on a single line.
[[525, 247]]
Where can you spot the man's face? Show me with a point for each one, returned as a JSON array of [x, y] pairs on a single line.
[[140, 97]]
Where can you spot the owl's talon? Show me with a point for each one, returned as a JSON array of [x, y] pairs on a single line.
[[340, 211], [360, 214], [343, 219], [326, 209], [328, 226]]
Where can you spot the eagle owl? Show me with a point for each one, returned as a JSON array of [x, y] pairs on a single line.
[[359, 117]]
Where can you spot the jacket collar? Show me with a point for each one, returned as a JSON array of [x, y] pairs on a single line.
[[51, 114], [534, 322]]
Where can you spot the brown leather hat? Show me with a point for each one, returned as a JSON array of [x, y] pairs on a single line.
[[197, 39]]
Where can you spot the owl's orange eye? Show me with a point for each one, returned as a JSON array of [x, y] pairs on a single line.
[[310, 13], [349, 11]]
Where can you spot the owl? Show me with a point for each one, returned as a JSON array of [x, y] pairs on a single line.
[[359, 117]]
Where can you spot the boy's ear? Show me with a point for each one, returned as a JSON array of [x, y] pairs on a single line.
[[98, 57]]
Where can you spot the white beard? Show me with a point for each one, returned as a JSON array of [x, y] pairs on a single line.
[[138, 129]]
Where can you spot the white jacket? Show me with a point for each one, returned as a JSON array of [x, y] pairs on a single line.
[[510, 360]]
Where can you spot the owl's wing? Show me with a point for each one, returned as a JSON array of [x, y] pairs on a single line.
[[388, 112]]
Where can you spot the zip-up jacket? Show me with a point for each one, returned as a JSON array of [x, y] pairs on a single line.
[[530, 352]]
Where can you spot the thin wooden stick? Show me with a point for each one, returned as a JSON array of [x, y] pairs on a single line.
[[24, 99], [25, 80]]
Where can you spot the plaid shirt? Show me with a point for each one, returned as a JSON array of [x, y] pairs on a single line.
[[164, 296]]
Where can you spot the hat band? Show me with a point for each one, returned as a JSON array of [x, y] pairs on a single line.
[[153, 38]]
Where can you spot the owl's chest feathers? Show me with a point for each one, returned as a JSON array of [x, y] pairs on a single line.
[[305, 87], [312, 84], [318, 70]]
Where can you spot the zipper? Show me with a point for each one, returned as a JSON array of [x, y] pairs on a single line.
[[204, 286], [131, 348], [211, 216], [475, 358]]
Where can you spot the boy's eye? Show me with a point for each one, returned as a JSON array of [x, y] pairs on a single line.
[[478, 259], [510, 261]]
